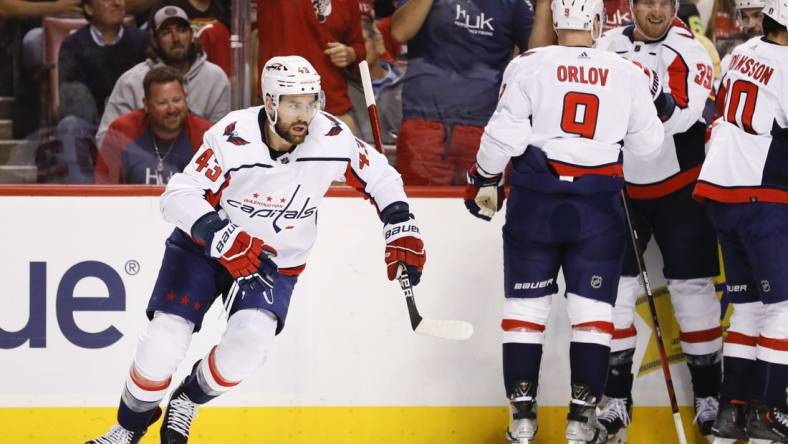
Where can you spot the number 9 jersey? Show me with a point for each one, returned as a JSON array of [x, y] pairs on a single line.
[[575, 105], [747, 159]]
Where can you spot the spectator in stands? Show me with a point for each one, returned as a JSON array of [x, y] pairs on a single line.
[[211, 26], [325, 32], [386, 84], [33, 41], [457, 52], [202, 12], [67, 153], [19, 76], [27, 8], [100, 52], [383, 24], [207, 87], [149, 145]]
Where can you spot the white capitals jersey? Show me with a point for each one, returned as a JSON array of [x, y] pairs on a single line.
[[686, 71], [577, 105], [748, 150], [275, 200]]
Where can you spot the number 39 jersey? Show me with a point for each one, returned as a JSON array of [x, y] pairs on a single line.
[[748, 150], [275, 199], [687, 75], [576, 105]]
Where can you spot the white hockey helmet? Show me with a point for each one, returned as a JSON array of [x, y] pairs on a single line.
[[289, 75], [777, 10], [578, 15], [749, 4]]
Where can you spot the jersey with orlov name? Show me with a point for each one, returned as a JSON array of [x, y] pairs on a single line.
[[275, 200], [567, 103], [748, 150], [686, 70]]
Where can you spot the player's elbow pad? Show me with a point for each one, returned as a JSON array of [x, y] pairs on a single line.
[[205, 227], [665, 105], [395, 213]]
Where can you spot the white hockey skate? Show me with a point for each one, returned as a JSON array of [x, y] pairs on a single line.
[[118, 435], [178, 417], [522, 404], [615, 416], [705, 413], [582, 426]]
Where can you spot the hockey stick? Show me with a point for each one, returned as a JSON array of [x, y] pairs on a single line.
[[447, 329], [372, 107], [652, 308]]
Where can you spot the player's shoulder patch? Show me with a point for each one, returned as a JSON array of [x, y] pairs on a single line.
[[336, 126], [232, 134]]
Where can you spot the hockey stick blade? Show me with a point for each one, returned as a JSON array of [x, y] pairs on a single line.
[[439, 328], [446, 329]]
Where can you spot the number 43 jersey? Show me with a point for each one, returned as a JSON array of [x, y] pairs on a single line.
[[748, 150], [275, 199], [687, 75], [575, 106]]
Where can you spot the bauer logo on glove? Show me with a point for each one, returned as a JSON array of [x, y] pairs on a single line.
[[403, 242]]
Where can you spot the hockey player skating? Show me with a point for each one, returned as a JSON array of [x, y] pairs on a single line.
[[661, 201], [245, 210], [561, 117], [745, 181]]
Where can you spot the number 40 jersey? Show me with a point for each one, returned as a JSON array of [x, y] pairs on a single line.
[[748, 150]]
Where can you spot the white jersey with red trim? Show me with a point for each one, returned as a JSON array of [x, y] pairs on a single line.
[[577, 105], [686, 70], [748, 150], [277, 199]]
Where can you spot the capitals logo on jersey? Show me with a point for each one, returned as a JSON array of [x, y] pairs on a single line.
[[336, 129], [276, 209], [232, 135]]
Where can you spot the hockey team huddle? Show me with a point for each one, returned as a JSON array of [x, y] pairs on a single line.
[[609, 139]]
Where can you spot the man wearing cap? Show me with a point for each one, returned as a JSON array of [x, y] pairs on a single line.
[[100, 52], [172, 44], [150, 145]]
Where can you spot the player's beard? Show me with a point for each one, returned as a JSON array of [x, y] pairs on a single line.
[[288, 135]]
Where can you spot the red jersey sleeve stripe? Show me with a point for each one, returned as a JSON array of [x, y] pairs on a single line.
[[678, 80]]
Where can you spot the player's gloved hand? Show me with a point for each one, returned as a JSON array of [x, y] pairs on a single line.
[[484, 193], [403, 242], [654, 81], [236, 250]]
